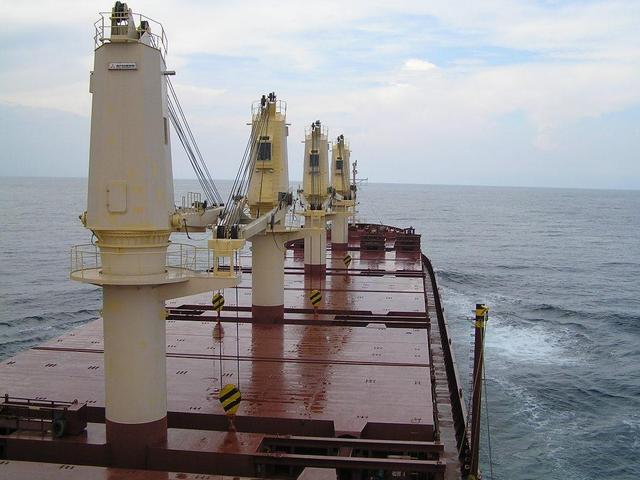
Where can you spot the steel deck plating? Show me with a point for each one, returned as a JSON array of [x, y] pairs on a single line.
[[358, 386]]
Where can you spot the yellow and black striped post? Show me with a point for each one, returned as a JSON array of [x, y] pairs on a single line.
[[315, 297], [347, 260], [482, 315], [230, 398], [217, 301]]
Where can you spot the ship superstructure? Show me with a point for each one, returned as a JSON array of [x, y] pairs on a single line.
[[331, 362]]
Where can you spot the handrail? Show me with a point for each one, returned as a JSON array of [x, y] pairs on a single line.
[[84, 257], [256, 108], [455, 391], [104, 30], [324, 131], [181, 256]]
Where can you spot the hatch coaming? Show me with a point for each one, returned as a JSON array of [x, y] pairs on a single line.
[[359, 366]]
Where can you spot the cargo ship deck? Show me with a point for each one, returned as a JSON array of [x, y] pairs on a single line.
[[362, 386]]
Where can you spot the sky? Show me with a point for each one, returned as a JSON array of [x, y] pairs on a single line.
[[492, 92]]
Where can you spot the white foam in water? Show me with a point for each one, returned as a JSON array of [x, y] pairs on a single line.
[[509, 344], [525, 343]]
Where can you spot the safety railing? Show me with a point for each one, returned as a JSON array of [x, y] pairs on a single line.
[[191, 200], [345, 143], [256, 108], [192, 203], [458, 410], [324, 131], [293, 219], [119, 23], [189, 259], [84, 258]]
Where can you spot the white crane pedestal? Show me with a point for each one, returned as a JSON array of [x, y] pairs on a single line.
[[267, 276], [135, 371], [315, 242], [340, 231]]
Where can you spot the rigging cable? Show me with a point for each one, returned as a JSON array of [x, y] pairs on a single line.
[[211, 183], [221, 336], [236, 187], [185, 134], [186, 229], [341, 156], [467, 426], [486, 409], [234, 194], [238, 332], [234, 206], [266, 129], [475, 381], [189, 151]]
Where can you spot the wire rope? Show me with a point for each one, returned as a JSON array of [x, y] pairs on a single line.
[[187, 139], [237, 333], [206, 174], [234, 206], [178, 128], [486, 410]]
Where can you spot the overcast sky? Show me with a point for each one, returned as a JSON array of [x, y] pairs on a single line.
[[491, 92]]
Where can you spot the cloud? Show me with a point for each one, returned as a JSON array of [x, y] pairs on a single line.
[[201, 95], [499, 80], [63, 98], [417, 65]]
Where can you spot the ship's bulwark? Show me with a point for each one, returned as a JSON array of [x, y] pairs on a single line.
[[364, 367]]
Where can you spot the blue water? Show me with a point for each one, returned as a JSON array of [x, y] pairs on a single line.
[[560, 270]]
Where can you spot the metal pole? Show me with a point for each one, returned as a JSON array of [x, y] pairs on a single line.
[[478, 355]]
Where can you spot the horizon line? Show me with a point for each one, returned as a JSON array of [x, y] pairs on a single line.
[[630, 189]]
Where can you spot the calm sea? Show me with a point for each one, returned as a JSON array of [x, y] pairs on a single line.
[[560, 270]]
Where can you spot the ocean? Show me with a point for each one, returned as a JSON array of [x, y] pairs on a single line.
[[559, 269]]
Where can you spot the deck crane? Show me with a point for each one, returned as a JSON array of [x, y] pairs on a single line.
[[326, 196], [316, 197], [344, 192], [257, 208], [120, 26], [131, 212]]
